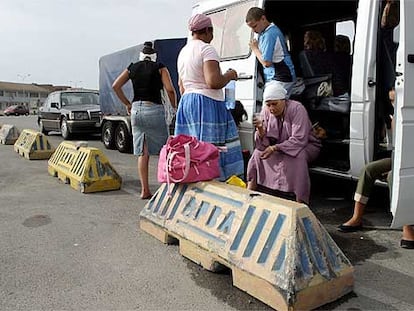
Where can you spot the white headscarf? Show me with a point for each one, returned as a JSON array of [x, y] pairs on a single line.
[[274, 91], [151, 57]]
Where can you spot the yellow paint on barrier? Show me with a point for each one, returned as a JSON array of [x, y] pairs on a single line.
[[85, 168], [33, 145]]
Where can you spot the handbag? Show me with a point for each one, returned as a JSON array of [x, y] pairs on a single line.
[[168, 108], [185, 159]]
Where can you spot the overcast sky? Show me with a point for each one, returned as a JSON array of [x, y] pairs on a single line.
[[60, 41]]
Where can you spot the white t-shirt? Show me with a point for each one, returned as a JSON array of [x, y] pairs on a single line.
[[190, 68]]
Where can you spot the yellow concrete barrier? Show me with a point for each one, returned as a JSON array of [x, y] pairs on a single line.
[[8, 134], [33, 145], [277, 249], [85, 168]]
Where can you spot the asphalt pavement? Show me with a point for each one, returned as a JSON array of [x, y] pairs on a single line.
[[64, 250]]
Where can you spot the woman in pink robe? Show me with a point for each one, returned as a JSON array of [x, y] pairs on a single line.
[[285, 145]]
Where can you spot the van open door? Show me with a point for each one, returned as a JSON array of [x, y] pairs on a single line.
[[402, 192]]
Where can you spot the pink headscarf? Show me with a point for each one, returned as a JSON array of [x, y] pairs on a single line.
[[199, 22]]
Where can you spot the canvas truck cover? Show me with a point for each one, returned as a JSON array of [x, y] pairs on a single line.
[[111, 65]]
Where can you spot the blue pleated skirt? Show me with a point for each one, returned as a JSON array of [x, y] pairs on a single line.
[[210, 121]]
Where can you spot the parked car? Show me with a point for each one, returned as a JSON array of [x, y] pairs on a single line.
[[16, 110], [70, 112]]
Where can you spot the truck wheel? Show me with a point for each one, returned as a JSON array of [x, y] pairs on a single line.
[[108, 135], [122, 138], [64, 129]]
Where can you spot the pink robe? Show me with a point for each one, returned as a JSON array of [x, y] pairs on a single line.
[[287, 168]]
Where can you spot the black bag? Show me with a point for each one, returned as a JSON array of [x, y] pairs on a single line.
[[317, 88]]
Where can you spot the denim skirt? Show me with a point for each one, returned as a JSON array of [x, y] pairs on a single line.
[[148, 125]]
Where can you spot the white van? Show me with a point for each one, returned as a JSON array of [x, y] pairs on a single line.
[[355, 127]]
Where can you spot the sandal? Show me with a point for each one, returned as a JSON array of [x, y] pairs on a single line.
[[348, 229], [407, 244]]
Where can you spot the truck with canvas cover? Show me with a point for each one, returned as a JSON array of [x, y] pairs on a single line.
[[115, 123]]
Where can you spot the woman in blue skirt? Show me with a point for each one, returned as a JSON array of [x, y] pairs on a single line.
[[202, 111]]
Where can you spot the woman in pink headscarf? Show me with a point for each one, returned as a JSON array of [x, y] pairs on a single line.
[[285, 145], [202, 111]]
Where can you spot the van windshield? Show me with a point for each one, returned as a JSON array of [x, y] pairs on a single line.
[[79, 98]]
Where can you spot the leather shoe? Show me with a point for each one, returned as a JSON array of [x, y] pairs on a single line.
[[407, 244], [348, 229]]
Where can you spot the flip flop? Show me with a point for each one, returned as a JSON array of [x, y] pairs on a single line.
[[407, 244], [148, 197], [348, 229]]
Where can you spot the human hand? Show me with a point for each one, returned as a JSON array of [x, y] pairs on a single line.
[[267, 152], [232, 74], [254, 44], [319, 132], [257, 120]]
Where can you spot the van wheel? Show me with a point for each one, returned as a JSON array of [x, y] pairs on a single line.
[[108, 135], [64, 128], [122, 138]]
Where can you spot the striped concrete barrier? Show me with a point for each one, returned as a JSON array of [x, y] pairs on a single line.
[[277, 249], [85, 168], [8, 134], [33, 145]]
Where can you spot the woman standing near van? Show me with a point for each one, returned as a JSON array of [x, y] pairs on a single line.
[[147, 112], [202, 111]]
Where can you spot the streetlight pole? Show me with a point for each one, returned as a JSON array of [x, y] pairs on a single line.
[[23, 77], [75, 83]]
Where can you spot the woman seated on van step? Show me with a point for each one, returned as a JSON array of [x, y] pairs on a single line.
[[285, 144], [371, 172]]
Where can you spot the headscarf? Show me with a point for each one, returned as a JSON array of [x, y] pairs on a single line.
[[148, 52], [199, 22], [274, 91]]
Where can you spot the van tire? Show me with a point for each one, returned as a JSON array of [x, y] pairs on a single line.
[[123, 138]]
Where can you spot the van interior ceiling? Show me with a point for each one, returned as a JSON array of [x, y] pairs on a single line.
[[322, 16]]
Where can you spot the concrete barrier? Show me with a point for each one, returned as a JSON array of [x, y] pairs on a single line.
[[8, 134], [85, 168], [277, 249], [33, 145]]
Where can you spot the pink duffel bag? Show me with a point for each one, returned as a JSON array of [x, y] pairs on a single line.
[[185, 159]]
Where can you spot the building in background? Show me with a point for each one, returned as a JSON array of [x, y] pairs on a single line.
[[30, 95]]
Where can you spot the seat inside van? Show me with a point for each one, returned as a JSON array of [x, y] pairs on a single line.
[[326, 75]]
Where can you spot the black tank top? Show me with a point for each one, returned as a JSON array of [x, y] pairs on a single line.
[[146, 80]]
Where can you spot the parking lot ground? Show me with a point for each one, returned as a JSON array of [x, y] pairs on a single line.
[[64, 250]]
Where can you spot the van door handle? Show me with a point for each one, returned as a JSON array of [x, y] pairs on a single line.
[[371, 83], [243, 76], [410, 58]]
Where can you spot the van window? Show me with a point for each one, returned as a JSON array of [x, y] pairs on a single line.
[[347, 28], [231, 34]]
